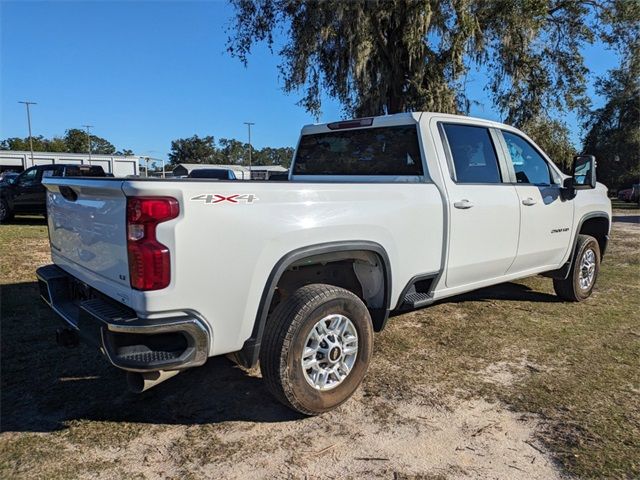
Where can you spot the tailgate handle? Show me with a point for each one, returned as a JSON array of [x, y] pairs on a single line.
[[68, 193]]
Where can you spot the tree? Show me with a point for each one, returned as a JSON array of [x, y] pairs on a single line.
[[613, 131], [193, 150], [77, 141], [234, 152], [390, 56], [228, 151], [273, 156], [40, 144], [125, 152], [553, 137], [74, 141]]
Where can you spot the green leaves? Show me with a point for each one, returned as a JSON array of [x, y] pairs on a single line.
[[74, 141], [227, 151], [390, 56], [193, 150], [77, 141], [613, 131]]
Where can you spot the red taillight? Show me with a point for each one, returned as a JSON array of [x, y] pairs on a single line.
[[149, 260]]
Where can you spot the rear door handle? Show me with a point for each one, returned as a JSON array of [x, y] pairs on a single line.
[[463, 204], [529, 201]]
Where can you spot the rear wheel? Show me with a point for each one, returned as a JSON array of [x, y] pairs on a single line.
[[317, 348], [584, 271]]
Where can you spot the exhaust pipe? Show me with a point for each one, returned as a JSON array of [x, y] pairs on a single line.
[[141, 382]]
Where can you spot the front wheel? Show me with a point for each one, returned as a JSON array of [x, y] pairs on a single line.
[[584, 271], [317, 347], [5, 212]]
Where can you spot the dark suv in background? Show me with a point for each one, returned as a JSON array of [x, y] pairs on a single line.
[[25, 193]]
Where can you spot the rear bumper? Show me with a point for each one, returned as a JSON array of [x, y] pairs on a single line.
[[128, 342]]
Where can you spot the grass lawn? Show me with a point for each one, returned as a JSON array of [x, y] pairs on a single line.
[[575, 366]]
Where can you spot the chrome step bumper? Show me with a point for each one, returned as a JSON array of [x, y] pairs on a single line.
[[129, 343]]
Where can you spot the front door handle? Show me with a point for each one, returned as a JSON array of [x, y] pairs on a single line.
[[529, 201], [463, 204]]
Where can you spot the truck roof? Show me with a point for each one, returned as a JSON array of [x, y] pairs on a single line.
[[396, 119]]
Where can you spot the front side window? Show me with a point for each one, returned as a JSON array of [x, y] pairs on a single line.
[[28, 177], [474, 156], [371, 151], [529, 165]]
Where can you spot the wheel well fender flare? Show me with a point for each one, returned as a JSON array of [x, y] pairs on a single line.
[[248, 356], [563, 272]]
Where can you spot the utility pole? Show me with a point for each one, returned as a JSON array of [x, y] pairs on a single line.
[[89, 139], [248, 124], [27, 103]]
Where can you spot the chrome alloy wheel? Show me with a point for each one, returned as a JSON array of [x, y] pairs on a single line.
[[587, 269], [330, 352]]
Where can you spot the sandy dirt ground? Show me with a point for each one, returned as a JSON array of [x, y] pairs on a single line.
[[419, 435]]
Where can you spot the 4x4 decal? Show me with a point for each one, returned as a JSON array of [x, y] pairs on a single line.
[[210, 198]]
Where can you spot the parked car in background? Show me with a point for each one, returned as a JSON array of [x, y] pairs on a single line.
[[625, 195], [379, 215], [279, 176], [25, 194], [213, 174], [635, 193], [5, 177]]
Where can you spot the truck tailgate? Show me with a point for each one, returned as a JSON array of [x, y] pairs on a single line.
[[87, 225]]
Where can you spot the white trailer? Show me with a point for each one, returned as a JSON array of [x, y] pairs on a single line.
[[118, 165]]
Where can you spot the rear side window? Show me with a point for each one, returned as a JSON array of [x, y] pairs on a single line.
[[372, 151], [529, 165], [51, 172], [474, 156]]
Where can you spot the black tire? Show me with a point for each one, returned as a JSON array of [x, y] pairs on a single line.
[[5, 212], [285, 337], [570, 288]]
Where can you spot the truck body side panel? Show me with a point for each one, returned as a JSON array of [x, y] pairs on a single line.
[[225, 251]]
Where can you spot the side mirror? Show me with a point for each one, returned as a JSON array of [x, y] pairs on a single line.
[[584, 172], [12, 180]]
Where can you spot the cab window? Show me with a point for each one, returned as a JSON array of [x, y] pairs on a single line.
[[530, 167], [473, 153], [28, 177], [51, 172], [391, 151]]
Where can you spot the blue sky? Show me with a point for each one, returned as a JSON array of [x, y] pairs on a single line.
[[144, 73]]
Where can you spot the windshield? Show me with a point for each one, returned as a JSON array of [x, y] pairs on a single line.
[[83, 171], [7, 177], [371, 151]]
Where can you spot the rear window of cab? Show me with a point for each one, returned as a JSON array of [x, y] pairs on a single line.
[[372, 151]]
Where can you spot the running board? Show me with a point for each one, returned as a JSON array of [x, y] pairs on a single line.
[[417, 300]]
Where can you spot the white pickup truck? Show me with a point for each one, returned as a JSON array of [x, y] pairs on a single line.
[[379, 214]]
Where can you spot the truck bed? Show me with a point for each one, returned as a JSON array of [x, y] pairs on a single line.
[[229, 235]]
